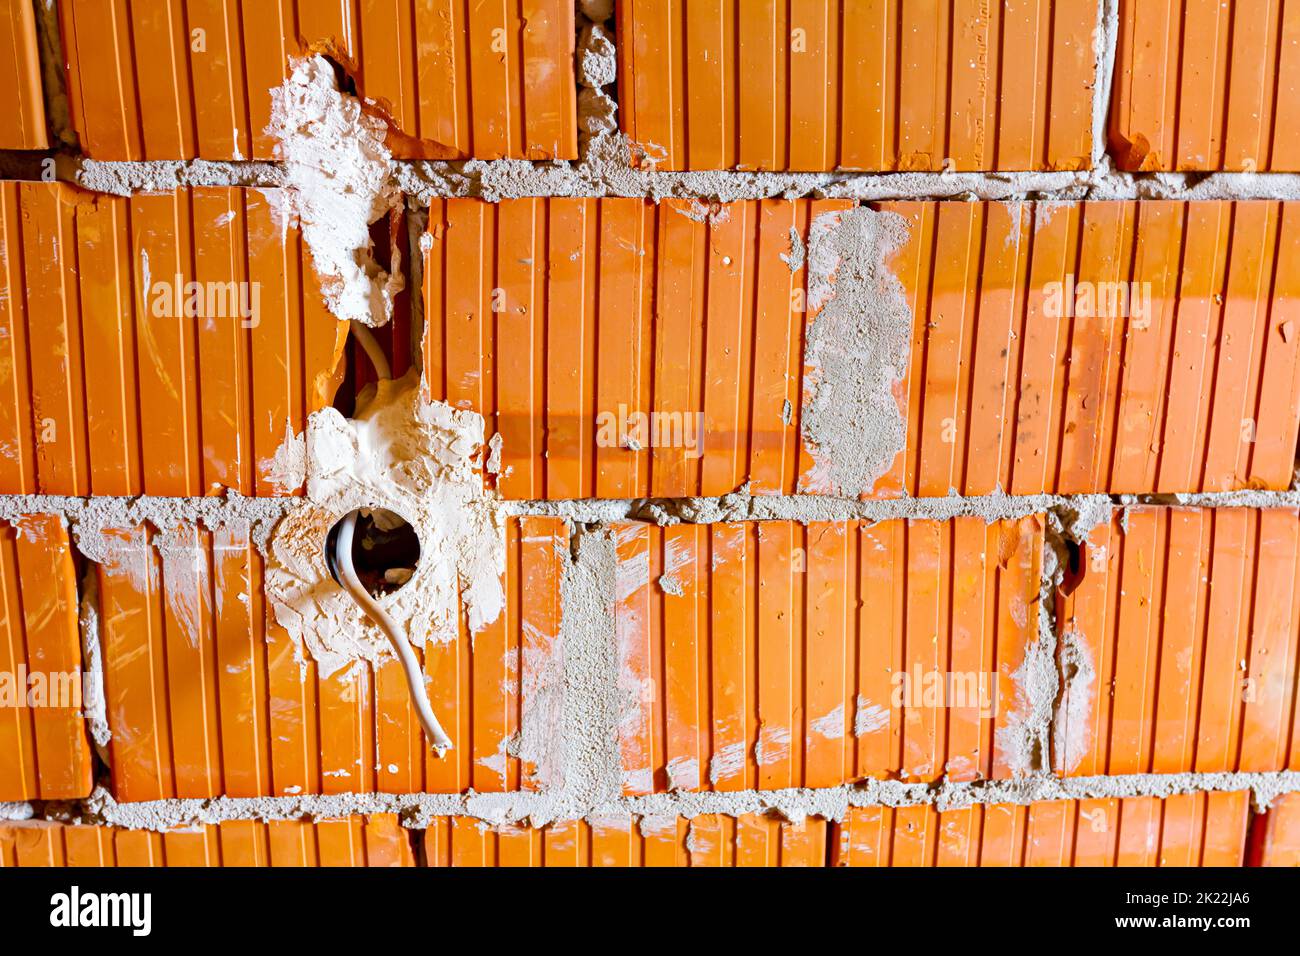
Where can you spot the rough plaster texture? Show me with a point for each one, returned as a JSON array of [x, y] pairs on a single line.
[[855, 351], [339, 173], [575, 700], [94, 703], [1104, 42], [417, 810], [418, 460]]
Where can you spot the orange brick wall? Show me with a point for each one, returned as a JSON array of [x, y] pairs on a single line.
[[773, 667], [710, 840], [44, 750], [1206, 85], [22, 104], [140, 90], [913, 86], [1189, 619], [622, 303], [208, 697], [357, 841], [1190, 830], [1281, 842], [672, 682], [99, 395]]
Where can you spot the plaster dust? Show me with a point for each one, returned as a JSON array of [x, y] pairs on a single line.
[[855, 353], [795, 257], [339, 175], [420, 460], [286, 470]]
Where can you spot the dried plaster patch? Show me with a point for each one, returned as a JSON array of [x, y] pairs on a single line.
[[1072, 728], [419, 460], [339, 175], [856, 351]]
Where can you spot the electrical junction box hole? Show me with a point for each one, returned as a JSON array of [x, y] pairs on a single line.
[[385, 550]]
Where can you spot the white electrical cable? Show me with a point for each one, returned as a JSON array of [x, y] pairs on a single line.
[[370, 345], [401, 647]]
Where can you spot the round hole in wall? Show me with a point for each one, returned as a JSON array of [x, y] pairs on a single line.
[[385, 550]]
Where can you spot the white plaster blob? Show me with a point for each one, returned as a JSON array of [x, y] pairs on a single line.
[[419, 460], [340, 180], [286, 470]]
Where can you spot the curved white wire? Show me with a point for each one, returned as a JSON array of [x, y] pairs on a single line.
[[414, 677], [370, 345]]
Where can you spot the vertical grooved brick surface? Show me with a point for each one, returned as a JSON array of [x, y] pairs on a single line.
[[1282, 832], [818, 85], [1203, 829], [207, 697], [116, 378], [712, 841], [772, 654], [626, 349], [22, 106], [376, 840], [44, 750], [1185, 630], [179, 79], [1016, 384], [563, 320], [1206, 85]]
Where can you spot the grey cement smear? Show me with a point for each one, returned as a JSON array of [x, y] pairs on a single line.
[[1105, 40], [88, 518], [496, 180], [94, 701], [1077, 513], [855, 352]]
